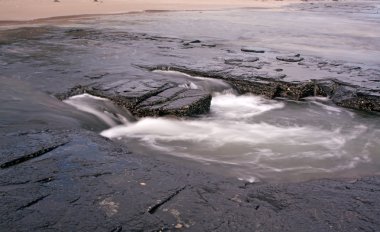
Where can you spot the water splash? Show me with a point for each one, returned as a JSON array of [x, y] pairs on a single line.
[[253, 138], [237, 134]]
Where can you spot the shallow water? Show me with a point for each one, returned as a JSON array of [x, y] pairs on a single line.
[[23, 108], [343, 36]]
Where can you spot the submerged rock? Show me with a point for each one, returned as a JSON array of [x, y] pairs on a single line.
[[240, 61], [252, 49], [210, 45], [195, 41], [290, 58]]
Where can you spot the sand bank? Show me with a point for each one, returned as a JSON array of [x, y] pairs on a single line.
[[11, 10]]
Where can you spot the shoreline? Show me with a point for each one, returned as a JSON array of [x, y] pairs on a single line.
[[26, 11], [58, 19]]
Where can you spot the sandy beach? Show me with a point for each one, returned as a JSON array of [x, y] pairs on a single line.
[[15, 10]]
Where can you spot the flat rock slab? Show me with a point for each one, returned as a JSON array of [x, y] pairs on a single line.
[[252, 49], [293, 77], [240, 61], [176, 101], [153, 97], [94, 184], [290, 58]]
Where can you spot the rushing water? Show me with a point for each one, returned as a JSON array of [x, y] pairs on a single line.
[[245, 136], [254, 138]]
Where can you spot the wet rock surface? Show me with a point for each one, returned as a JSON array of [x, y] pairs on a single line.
[[300, 75], [347, 85], [91, 183], [290, 58], [252, 49], [58, 178], [150, 98], [368, 7]]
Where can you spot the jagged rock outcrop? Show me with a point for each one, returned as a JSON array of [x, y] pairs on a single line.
[[249, 79]]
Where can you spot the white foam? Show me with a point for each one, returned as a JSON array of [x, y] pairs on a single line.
[[80, 102], [101, 108], [231, 135], [231, 106], [334, 109], [86, 96], [197, 82], [189, 85]]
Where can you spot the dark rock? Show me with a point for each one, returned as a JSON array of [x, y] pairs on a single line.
[[129, 93], [233, 61], [351, 97], [117, 229], [175, 101], [174, 195], [264, 88], [290, 58], [30, 156], [195, 41], [251, 59], [210, 45], [94, 76], [240, 61], [295, 91], [151, 97], [245, 78], [252, 49], [254, 82], [325, 88], [251, 65], [274, 88]]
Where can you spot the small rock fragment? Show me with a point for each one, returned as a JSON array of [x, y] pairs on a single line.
[[237, 61], [252, 49], [290, 58], [178, 226], [233, 61], [251, 59], [210, 45]]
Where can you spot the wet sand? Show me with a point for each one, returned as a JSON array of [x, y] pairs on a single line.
[[15, 10]]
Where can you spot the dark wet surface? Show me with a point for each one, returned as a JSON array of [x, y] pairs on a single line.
[[59, 174], [93, 184], [114, 56]]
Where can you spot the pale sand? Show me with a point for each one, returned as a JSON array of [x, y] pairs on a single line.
[[35, 9]]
